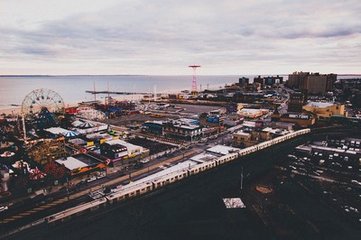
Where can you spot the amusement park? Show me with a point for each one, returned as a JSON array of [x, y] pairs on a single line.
[[59, 160], [47, 146]]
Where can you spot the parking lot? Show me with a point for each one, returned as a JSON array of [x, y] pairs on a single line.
[[315, 189]]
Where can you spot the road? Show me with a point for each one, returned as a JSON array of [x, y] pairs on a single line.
[[25, 213]]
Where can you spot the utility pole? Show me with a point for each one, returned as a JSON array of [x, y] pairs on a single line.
[[24, 127], [242, 179]]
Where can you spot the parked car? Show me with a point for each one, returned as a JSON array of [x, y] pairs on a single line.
[[3, 208]]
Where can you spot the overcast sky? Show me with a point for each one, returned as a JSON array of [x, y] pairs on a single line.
[[165, 36]]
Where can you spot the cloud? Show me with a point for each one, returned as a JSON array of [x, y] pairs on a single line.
[[163, 37]]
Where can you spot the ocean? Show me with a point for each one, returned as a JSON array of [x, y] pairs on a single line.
[[72, 88]]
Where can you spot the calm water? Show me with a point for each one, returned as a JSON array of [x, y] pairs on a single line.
[[72, 88]]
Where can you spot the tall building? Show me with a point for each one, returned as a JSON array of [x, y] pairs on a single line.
[[296, 102], [311, 83], [243, 81], [269, 80], [296, 79]]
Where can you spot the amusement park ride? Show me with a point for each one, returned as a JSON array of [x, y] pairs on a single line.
[[40, 99], [41, 104]]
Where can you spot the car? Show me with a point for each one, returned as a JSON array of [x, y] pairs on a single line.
[[91, 179], [3, 208], [147, 160]]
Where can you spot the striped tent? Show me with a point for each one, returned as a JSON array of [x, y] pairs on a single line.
[[70, 134], [87, 125]]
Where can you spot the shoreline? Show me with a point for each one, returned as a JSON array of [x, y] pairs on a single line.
[[16, 110]]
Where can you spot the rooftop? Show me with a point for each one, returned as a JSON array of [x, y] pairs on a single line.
[[243, 133], [320, 104], [221, 149], [203, 157], [57, 130], [71, 163], [129, 146]]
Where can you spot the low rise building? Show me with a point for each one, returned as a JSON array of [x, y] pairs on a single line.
[[252, 113], [325, 109], [182, 130], [119, 151], [296, 102], [241, 139], [300, 119], [154, 127], [81, 164]]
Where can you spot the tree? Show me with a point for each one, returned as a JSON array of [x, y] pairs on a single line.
[[54, 170]]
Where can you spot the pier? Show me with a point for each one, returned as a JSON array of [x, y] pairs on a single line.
[[117, 93]]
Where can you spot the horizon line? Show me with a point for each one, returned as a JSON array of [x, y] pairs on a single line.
[[69, 75]]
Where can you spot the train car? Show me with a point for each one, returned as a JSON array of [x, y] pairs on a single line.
[[137, 189], [63, 215]]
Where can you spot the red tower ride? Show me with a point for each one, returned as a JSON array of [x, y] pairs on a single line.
[[194, 79]]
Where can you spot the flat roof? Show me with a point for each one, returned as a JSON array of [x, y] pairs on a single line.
[[232, 129], [249, 124], [251, 110], [320, 104], [156, 122], [203, 157], [71, 163], [57, 130], [222, 149], [275, 130], [129, 146], [243, 133]]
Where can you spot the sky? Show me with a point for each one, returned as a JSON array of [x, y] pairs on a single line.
[[163, 37]]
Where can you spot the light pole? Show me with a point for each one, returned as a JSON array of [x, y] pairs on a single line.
[[242, 180]]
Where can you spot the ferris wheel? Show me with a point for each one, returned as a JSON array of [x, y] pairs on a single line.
[[42, 99]]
